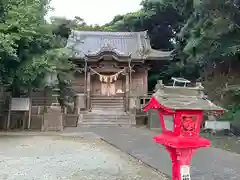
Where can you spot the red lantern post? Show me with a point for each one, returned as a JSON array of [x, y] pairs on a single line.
[[186, 106]]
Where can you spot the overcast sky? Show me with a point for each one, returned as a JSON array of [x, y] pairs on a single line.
[[93, 11]]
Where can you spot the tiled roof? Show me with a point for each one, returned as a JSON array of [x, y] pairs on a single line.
[[134, 44], [184, 98]]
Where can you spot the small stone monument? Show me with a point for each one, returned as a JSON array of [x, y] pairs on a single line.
[[53, 118]]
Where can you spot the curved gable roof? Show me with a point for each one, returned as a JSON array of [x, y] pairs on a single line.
[[136, 44]]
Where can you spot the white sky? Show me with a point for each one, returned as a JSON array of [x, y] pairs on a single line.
[[93, 11]]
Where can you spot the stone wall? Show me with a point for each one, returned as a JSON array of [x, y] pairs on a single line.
[[47, 121], [53, 119], [70, 120]]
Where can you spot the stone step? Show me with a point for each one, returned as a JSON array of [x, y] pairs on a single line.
[[92, 118], [107, 102], [104, 122], [107, 97], [113, 100], [106, 106], [107, 110], [103, 125], [106, 117], [116, 111], [99, 124]]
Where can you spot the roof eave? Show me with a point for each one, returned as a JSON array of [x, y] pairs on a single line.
[[164, 58], [159, 55], [102, 54]]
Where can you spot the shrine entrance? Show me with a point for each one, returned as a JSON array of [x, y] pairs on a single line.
[[108, 89], [107, 93], [108, 83]]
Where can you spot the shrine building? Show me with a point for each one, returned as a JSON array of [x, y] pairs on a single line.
[[115, 72]]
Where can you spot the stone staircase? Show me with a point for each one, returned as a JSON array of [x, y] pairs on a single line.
[[103, 103], [106, 111]]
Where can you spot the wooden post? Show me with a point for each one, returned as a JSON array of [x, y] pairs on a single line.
[[30, 109], [38, 110], [44, 100], [65, 110], [24, 120], [146, 81], [85, 82], [44, 107], [85, 76], [9, 113], [88, 91], [127, 92]]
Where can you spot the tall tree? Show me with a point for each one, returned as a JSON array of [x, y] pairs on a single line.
[[160, 20], [28, 47]]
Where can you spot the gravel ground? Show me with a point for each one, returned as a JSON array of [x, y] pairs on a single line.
[[207, 164], [67, 158]]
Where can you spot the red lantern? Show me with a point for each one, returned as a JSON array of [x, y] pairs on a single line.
[[186, 107]]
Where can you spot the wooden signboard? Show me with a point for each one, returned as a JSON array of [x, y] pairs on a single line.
[[20, 104]]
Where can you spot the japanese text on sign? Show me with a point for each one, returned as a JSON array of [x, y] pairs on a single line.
[[185, 173]]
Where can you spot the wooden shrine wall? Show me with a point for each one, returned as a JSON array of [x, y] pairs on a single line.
[[139, 82]]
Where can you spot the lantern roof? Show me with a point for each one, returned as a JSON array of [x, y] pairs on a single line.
[[184, 98]]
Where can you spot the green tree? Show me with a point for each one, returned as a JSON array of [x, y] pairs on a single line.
[[28, 46], [161, 20], [63, 26]]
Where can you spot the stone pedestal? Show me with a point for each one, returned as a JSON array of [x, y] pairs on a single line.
[[53, 119], [80, 102]]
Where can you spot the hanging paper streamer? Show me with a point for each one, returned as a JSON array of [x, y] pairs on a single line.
[[108, 78], [105, 79]]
